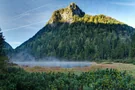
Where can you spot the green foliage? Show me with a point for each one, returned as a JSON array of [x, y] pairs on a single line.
[[1, 43], [80, 40], [3, 63], [97, 19], [2, 54], [108, 79]]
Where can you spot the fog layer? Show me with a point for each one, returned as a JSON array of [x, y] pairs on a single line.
[[63, 64]]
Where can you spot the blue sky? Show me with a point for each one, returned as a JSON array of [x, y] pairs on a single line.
[[21, 19]]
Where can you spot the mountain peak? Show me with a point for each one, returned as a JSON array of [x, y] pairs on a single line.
[[73, 6], [76, 10], [66, 14]]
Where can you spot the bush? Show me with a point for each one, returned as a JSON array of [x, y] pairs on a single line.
[[3, 63], [108, 79]]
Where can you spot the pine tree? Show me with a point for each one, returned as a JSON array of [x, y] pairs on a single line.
[[2, 55], [1, 43]]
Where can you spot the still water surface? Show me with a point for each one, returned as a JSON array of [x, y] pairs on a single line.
[[63, 64]]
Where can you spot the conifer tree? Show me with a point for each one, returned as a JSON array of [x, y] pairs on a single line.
[[2, 55]]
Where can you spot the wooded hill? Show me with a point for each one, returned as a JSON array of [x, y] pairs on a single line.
[[71, 34]]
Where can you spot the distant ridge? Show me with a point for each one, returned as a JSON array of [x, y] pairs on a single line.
[[8, 49]]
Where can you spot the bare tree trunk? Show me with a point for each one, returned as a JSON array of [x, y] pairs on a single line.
[[81, 87]]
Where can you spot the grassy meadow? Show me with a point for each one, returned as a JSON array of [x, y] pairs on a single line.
[[129, 68]]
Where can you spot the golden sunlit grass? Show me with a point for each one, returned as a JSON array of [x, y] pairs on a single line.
[[130, 68], [47, 69]]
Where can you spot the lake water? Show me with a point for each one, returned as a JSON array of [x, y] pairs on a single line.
[[63, 64]]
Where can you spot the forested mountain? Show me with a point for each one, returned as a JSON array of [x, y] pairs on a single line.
[[71, 34], [8, 50]]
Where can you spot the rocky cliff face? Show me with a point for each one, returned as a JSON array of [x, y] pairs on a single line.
[[66, 14]]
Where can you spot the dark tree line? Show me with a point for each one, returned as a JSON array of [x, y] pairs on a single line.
[[1, 43], [2, 53]]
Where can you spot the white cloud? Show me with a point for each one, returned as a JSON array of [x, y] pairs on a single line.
[[29, 18], [26, 13], [124, 3], [23, 26]]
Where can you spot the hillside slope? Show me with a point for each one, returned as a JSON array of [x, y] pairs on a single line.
[[73, 35], [8, 49]]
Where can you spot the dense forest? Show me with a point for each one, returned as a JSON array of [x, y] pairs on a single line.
[[78, 36], [13, 78], [3, 57], [109, 79]]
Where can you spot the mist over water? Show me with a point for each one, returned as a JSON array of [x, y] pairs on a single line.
[[25, 59], [63, 64]]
